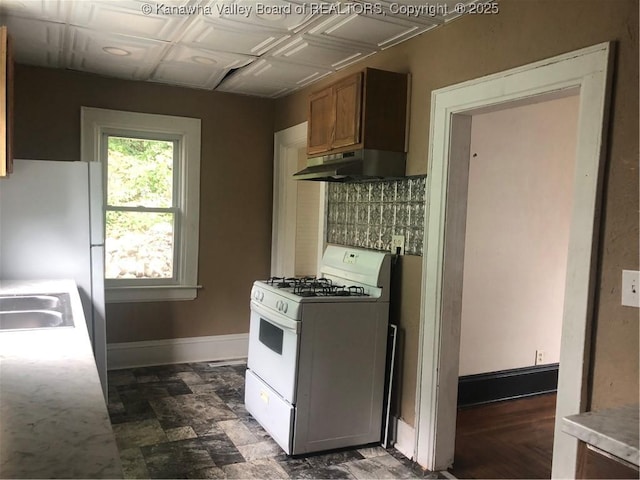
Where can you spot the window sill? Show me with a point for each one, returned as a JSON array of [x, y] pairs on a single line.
[[155, 293]]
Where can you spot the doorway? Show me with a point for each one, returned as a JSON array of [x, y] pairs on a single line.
[[298, 209], [519, 200], [585, 72]]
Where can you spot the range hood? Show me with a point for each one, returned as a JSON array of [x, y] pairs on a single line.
[[359, 165]]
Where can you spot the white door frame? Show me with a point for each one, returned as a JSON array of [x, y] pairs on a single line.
[[286, 144], [588, 72]]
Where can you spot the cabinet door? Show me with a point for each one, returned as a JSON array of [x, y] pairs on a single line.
[[320, 122], [348, 111]]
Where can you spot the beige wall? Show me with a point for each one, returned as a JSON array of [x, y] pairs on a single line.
[[524, 32], [235, 193], [517, 235]]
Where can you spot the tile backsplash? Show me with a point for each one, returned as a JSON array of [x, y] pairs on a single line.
[[367, 214]]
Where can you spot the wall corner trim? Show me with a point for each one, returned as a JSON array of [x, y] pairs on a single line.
[[405, 438], [177, 350]]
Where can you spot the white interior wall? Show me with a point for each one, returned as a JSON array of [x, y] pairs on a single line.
[[307, 222], [517, 233]]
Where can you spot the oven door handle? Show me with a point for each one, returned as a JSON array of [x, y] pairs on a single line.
[[276, 318]]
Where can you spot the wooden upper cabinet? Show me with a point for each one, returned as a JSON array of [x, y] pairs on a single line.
[[348, 104], [364, 110], [320, 122], [6, 103]]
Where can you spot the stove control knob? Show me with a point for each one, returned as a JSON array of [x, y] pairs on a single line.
[[261, 295], [285, 307], [279, 305]]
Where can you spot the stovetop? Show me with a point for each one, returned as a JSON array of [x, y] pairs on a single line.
[[287, 295], [315, 287], [350, 276]]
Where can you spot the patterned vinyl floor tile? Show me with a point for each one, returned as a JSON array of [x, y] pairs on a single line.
[[189, 421]]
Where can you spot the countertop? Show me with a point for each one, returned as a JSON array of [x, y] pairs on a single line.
[[53, 418], [613, 431]]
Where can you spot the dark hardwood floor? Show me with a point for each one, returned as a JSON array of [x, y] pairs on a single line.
[[509, 439]]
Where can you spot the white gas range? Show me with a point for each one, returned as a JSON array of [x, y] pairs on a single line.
[[317, 353]]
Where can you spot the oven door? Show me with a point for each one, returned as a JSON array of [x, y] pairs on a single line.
[[273, 349]]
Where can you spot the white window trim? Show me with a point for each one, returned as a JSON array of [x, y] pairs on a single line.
[[95, 122]]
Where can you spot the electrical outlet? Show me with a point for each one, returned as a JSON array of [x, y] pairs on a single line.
[[539, 357], [630, 288], [397, 241]]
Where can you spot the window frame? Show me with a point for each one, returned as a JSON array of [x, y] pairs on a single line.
[[96, 126]]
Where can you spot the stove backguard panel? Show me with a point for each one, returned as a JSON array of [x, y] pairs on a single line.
[[367, 214]]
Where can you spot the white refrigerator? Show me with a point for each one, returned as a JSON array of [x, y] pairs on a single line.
[[52, 227]]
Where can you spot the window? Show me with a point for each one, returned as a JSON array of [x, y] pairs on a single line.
[[151, 167], [141, 209]]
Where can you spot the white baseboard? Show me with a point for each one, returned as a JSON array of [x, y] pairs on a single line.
[[405, 438], [177, 350]]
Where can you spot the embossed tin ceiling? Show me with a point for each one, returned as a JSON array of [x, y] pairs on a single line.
[[269, 48]]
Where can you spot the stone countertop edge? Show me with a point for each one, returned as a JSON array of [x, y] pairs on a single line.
[[53, 418], [614, 431]]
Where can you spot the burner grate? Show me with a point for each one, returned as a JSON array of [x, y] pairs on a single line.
[[282, 282], [316, 287]]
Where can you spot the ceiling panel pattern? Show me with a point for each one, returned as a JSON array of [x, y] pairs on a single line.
[[266, 48]]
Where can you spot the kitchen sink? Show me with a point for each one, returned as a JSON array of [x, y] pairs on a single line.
[[25, 312]]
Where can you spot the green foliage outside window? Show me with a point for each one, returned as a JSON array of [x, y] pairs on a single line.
[[139, 174]]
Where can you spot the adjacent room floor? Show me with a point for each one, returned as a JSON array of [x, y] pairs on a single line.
[[509, 439], [189, 421]]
